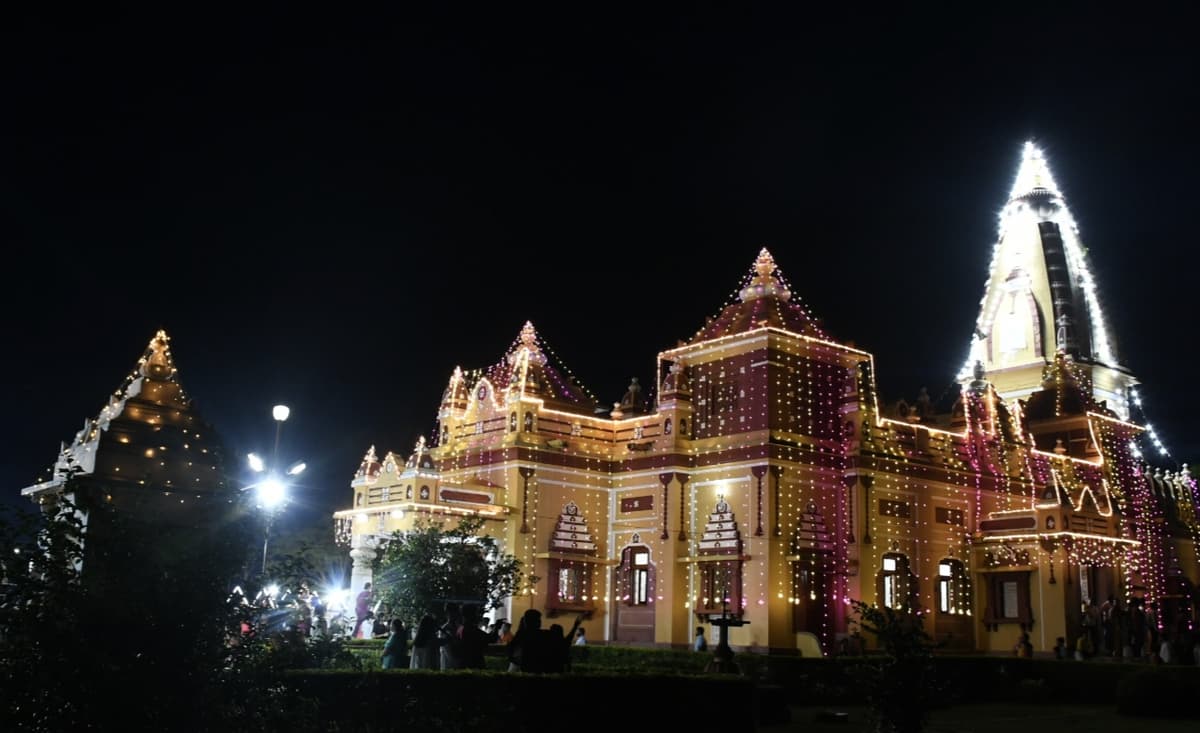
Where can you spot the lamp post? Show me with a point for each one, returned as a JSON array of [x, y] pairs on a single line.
[[272, 490]]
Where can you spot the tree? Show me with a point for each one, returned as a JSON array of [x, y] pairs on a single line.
[[422, 570], [308, 557], [900, 684], [122, 625]]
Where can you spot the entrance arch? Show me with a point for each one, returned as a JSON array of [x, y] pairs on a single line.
[[634, 583]]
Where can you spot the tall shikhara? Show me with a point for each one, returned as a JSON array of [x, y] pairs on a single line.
[[1041, 297]]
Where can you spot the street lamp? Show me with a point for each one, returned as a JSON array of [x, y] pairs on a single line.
[[271, 491]]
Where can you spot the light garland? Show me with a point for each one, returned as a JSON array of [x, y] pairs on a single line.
[[785, 424]]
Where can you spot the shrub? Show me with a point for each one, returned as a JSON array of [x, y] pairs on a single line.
[[899, 684], [1159, 693]]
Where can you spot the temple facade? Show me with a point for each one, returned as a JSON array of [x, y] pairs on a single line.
[[760, 476]]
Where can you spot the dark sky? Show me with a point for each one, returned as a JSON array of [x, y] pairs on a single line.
[[334, 211]]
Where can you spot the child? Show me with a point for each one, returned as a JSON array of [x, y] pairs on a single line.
[[1060, 648], [1024, 649]]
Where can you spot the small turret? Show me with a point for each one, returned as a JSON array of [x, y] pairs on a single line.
[[369, 468], [420, 457]]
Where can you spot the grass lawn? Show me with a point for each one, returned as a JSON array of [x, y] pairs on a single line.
[[994, 719]]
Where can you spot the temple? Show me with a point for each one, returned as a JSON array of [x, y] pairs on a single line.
[[148, 456], [761, 475]]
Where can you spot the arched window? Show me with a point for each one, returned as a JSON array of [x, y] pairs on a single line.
[[953, 591], [640, 577], [635, 576], [667, 426], [512, 422], [894, 582], [528, 422]]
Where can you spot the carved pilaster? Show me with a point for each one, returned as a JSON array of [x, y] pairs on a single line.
[[849, 482], [867, 481], [759, 472], [776, 474], [665, 478], [525, 472], [683, 479]]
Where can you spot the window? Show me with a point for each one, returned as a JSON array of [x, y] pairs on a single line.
[[1007, 599], [568, 585], [953, 593], [893, 584], [944, 602], [386, 493], [891, 592], [1009, 607], [641, 578]]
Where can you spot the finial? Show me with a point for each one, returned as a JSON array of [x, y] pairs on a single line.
[[528, 335], [764, 264], [978, 385], [371, 457], [1033, 173], [157, 363], [765, 281]]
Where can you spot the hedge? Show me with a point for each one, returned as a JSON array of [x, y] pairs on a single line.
[[815, 681], [1160, 692], [484, 701]]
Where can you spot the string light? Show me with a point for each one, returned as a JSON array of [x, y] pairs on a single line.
[[759, 438]]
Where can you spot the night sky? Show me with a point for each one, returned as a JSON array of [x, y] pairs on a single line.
[[332, 211]]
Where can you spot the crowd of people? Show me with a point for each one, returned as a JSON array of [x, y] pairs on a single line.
[[1131, 631], [459, 639], [456, 636]]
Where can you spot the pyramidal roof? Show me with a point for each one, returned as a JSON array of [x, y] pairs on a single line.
[[764, 300], [1048, 262], [527, 367], [160, 439]]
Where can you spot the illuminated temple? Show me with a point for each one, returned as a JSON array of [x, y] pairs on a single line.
[[761, 475]]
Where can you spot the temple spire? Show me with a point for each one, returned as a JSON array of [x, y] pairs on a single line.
[[1040, 298]]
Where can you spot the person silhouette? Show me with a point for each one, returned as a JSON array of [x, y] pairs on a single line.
[[396, 648], [362, 611], [425, 644]]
